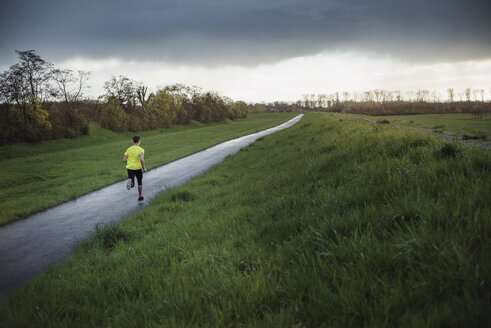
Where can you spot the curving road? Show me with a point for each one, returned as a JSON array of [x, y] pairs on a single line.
[[31, 245]]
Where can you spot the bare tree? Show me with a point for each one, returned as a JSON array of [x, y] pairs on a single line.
[[13, 86], [305, 100], [123, 89], [388, 96], [368, 96], [397, 95], [410, 95], [451, 94], [422, 95], [356, 97], [141, 94], [435, 96], [321, 100], [345, 96], [377, 94], [336, 95], [475, 94], [467, 93], [69, 87], [312, 101], [26, 82]]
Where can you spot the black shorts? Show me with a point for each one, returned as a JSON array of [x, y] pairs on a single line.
[[136, 173]]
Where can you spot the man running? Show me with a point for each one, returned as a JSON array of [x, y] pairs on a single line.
[[133, 157]]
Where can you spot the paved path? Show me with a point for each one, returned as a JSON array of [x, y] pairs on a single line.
[[31, 245]]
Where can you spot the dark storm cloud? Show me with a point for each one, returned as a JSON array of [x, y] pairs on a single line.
[[245, 32]]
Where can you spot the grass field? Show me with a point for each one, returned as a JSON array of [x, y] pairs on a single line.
[[462, 125], [328, 223], [36, 177]]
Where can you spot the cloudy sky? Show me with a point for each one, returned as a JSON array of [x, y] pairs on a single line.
[[260, 50]]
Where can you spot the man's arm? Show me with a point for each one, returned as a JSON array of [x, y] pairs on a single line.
[[125, 158], [142, 160]]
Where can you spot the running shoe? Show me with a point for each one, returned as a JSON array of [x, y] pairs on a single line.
[[141, 198], [129, 184]]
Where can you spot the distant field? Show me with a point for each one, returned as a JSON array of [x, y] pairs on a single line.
[[37, 176], [463, 127], [326, 224], [460, 124]]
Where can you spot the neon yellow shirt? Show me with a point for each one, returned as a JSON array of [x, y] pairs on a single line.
[[133, 154]]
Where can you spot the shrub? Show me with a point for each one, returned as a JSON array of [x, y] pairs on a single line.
[[448, 150], [111, 115], [474, 137]]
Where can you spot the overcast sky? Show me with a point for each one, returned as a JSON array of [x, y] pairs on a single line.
[[259, 50]]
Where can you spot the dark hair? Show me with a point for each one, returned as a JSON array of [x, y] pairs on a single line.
[[136, 139]]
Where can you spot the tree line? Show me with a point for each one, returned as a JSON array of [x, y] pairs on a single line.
[[387, 102], [127, 105], [40, 102]]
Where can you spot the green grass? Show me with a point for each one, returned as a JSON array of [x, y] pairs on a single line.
[[328, 223], [39, 176], [461, 124]]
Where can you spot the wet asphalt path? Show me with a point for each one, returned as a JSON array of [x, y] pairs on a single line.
[[31, 245]]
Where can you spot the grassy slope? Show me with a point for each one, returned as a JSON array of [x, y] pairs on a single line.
[[36, 177], [328, 222]]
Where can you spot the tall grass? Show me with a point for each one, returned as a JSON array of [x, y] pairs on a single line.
[[36, 177], [328, 223]]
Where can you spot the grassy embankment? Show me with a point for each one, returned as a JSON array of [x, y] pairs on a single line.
[[36, 177], [461, 126], [344, 223]]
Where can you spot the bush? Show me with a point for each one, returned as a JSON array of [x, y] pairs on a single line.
[[448, 150], [162, 110], [474, 137], [111, 115], [41, 122]]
